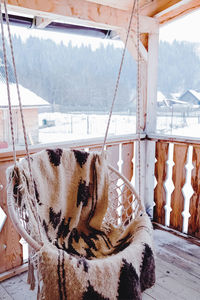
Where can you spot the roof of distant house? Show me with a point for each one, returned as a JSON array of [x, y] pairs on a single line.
[[195, 93], [28, 98]]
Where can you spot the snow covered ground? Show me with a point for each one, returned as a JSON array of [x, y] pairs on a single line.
[[80, 126], [74, 126]]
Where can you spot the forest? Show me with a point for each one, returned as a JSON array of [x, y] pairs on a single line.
[[83, 79]]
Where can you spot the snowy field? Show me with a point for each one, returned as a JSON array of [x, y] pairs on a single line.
[[65, 126], [80, 126]]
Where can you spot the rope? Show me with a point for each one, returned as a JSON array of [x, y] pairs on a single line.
[[138, 100], [17, 86], [8, 87], [118, 77], [32, 191]]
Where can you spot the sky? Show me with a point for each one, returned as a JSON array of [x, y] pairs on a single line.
[[186, 28]]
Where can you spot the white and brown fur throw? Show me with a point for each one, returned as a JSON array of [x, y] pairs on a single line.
[[82, 256]]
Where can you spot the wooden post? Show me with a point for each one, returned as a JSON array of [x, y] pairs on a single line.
[[132, 44], [148, 103], [153, 44]]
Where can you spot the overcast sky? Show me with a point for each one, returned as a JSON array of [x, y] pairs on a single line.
[[186, 28]]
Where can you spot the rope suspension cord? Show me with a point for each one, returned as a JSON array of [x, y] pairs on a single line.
[[8, 87], [135, 4], [17, 86], [118, 77], [35, 206], [138, 99]]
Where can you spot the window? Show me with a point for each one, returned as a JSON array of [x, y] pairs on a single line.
[[178, 98], [67, 84]]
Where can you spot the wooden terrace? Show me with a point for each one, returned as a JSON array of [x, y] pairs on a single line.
[[177, 272], [169, 166]]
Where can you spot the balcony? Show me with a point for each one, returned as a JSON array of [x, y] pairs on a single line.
[[169, 166]]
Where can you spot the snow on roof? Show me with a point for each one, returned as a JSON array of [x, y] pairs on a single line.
[[160, 96], [176, 101], [175, 95], [195, 93], [28, 98]]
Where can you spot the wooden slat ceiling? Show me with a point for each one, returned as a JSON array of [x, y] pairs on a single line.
[[103, 11], [163, 10]]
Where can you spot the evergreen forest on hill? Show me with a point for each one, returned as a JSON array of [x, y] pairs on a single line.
[[84, 80]]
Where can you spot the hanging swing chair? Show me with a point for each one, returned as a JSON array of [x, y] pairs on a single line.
[[88, 230]]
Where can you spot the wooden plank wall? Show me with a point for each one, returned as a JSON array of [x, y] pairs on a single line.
[[177, 204]]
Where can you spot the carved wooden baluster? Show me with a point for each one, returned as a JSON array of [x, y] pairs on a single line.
[[160, 174], [169, 185], [194, 209], [10, 249], [178, 177], [127, 171], [187, 190]]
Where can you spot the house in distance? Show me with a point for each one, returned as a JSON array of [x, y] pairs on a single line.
[[30, 103], [191, 96]]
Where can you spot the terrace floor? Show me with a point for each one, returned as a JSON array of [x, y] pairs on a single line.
[[177, 272]]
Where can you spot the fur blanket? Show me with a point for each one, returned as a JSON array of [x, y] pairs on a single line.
[[82, 256]]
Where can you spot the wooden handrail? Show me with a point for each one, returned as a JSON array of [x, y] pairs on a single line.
[[7, 154], [173, 139]]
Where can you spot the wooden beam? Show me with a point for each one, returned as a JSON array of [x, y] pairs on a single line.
[[146, 5], [132, 44], [167, 10], [81, 12], [177, 5], [144, 40], [108, 14], [175, 139], [124, 5], [41, 23], [154, 7]]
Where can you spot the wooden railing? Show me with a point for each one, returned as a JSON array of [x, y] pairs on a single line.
[[177, 192], [120, 152]]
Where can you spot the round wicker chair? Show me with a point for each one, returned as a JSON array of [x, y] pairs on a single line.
[[124, 206]]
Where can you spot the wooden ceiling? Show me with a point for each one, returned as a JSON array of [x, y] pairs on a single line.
[[102, 12], [163, 10]]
